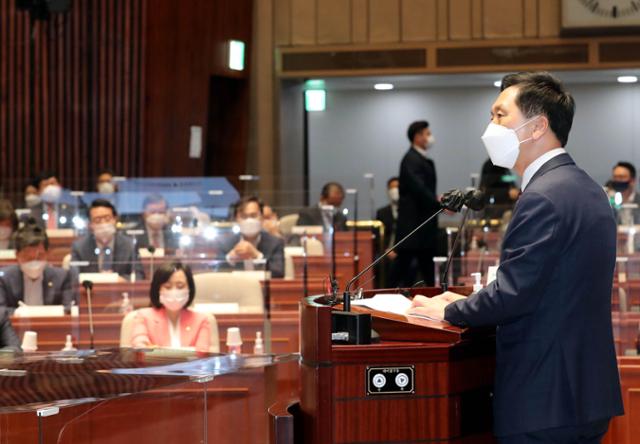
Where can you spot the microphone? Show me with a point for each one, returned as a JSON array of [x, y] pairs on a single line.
[[151, 249], [88, 286], [452, 200], [474, 200], [355, 328]]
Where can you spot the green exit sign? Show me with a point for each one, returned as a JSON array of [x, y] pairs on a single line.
[[236, 55]]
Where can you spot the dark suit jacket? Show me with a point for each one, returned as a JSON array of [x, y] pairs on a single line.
[[65, 215], [125, 256], [313, 216], [170, 240], [385, 215], [551, 300], [58, 287], [8, 337], [270, 246], [418, 201]]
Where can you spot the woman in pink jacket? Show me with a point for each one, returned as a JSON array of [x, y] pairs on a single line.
[[168, 322]]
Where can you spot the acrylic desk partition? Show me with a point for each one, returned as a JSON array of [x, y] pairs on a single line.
[[138, 396]]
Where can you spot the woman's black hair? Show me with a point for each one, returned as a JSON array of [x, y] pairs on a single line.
[[162, 274]]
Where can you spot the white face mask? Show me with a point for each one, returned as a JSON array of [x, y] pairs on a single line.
[[33, 269], [104, 232], [431, 140], [156, 221], [250, 226], [502, 144], [394, 194], [5, 233], [106, 188], [174, 299], [51, 193], [31, 200]]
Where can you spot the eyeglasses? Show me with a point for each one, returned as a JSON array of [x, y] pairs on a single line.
[[102, 219]]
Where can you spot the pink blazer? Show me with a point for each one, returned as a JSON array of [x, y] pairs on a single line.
[[151, 328]]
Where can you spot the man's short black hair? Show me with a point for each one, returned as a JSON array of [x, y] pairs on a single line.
[[415, 128], [162, 274], [391, 179], [154, 199], [103, 203], [627, 165], [8, 213], [326, 189], [30, 235], [239, 206], [540, 93], [108, 171], [44, 175]]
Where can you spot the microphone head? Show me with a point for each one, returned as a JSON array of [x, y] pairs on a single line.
[[474, 199], [151, 249], [88, 285], [453, 200]]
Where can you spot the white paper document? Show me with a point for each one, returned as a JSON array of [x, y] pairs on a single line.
[[389, 302]]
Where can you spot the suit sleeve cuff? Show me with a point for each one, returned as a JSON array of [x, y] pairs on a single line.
[[453, 314]]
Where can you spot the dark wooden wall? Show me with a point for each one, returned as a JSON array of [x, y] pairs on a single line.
[[186, 61], [71, 92], [118, 83]]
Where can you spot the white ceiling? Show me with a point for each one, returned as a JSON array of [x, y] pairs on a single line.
[[466, 80]]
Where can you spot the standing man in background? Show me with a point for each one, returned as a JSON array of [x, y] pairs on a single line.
[[388, 215], [418, 201]]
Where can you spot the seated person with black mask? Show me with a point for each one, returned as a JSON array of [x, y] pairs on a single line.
[[104, 248], [253, 243], [33, 281]]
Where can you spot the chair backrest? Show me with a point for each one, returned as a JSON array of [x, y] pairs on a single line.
[[127, 326], [289, 253], [125, 329], [244, 290], [287, 223], [315, 247]]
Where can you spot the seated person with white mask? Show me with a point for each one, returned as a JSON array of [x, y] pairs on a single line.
[[104, 182], [169, 322], [253, 242], [33, 281], [8, 224], [104, 249], [157, 230], [52, 213]]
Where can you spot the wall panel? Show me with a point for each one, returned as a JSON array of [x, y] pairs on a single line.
[[384, 21], [503, 19], [334, 21], [70, 92], [419, 20]]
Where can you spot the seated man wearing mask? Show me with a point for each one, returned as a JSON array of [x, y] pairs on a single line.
[[622, 190], [104, 182], [253, 243], [8, 224], [157, 231], [104, 248], [52, 212], [33, 281], [332, 194]]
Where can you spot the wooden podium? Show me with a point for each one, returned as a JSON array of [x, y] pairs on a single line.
[[424, 381]]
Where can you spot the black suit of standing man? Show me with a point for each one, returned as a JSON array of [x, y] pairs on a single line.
[[418, 201], [556, 373]]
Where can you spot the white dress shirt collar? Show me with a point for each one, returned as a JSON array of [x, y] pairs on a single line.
[[422, 152], [534, 166]]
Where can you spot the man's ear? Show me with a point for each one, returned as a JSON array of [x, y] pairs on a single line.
[[540, 127]]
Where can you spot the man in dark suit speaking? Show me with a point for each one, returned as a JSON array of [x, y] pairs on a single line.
[[556, 373]]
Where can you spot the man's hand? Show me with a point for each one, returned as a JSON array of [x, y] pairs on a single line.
[[244, 250], [433, 307]]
